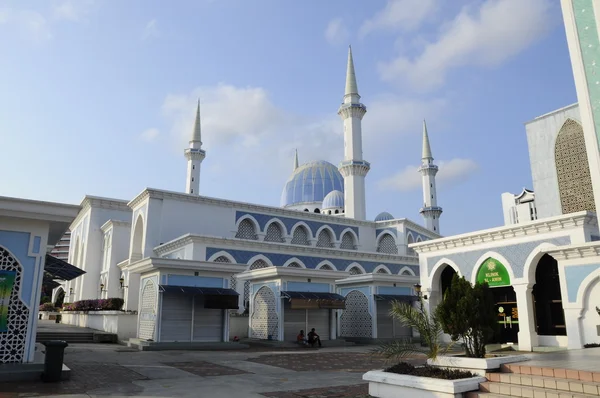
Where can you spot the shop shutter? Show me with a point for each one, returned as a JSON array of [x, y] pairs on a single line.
[[319, 319], [293, 321], [176, 317], [208, 323], [385, 323]]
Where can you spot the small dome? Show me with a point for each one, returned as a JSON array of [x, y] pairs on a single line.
[[384, 216], [334, 200], [311, 182]]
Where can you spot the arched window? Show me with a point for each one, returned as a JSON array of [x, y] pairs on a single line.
[[348, 241], [406, 273], [294, 265], [259, 264], [221, 259], [382, 271], [409, 241], [300, 236], [317, 211], [572, 169], [387, 244], [324, 239], [326, 267], [274, 233], [355, 271], [246, 230]]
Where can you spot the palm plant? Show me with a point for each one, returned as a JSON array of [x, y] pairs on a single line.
[[429, 327]]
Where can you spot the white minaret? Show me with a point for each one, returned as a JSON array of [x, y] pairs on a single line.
[[194, 155], [431, 211], [296, 160], [353, 168]]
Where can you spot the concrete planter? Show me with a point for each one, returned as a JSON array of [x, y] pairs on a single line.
[[391, 385], [50, 316], [476, 365], [123, 324]]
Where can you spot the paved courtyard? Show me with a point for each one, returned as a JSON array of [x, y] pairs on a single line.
[[112, 370]]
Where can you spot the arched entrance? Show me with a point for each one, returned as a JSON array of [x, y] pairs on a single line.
[[60, 298], [496, 275], [446, 279], [547, 299]]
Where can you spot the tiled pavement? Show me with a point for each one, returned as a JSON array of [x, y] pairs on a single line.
[[354, 391], [203, 368], [339, 361]]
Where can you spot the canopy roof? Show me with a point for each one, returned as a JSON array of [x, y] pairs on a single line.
[[396, 297], [312, 296], [207, 291], [60, 269]]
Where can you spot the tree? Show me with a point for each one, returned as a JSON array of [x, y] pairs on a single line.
[[467, 313], [427, 324]]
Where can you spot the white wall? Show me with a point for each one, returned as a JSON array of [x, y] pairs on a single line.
[[124, 325], [590, 318], [541, 138]]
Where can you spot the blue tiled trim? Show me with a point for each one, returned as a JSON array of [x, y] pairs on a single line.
[[575, 275], [401, 290], [278, 259], [516, 255], [37, 242], [416, 235], [263, 220]]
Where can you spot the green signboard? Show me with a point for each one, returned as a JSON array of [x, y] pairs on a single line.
[[494, 273], [7, 280]]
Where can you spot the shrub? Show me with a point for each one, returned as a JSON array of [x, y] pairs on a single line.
[[109, 304], [467, 313], [47, 307], [45, 299], [427, 324], [404, 368]]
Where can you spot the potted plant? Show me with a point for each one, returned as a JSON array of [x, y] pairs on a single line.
[[467, 313], [404, 379]]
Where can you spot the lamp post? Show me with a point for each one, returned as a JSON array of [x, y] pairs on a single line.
[[417, 288]]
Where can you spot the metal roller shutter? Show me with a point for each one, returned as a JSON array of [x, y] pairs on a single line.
[[208, 323], [401, 331], [319, 319], [176, 317], [385, 323], [293, 322]]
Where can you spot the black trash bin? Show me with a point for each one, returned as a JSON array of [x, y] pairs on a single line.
[[55, 351]]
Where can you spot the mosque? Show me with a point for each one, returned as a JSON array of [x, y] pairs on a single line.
[[195, 267]]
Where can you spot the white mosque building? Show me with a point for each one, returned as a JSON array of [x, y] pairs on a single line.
[[191, 265]]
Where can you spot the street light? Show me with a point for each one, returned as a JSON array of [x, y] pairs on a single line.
[[102, 287], [122, 282]]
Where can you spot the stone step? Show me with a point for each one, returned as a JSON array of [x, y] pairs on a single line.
[[528, 393], [557, 387], [546, 382], [570, 374]]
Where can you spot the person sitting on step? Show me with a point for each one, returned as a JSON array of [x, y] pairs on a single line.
[[301, 339], [313, 338]]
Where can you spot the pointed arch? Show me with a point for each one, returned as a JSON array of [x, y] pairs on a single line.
[[355, 269], [275, 231], [259, 261], [294, 263], [326, 265], [406, 271], [219, 256], [585, 285], [438, 268], [496, 256], [409, 240], [301, 234], [382, 269], [533, 259], [246, 228], [349, 239], [325, 236], [386, 243], [572, 169], [137, 241]]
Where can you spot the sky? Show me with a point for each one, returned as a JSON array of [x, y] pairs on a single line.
[[98, 97]]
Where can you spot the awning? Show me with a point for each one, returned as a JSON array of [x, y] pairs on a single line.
[[60, 269], [396, 297], [215, 298], [314, 300]]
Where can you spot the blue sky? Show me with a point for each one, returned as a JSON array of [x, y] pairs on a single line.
[[98, 96]]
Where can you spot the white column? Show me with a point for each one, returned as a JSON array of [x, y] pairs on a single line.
[[528, 337], [573, 322]]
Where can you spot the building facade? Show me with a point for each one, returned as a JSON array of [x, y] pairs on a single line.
[[519, 208]]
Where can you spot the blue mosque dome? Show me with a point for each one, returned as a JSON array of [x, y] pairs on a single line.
[[384, 216], [311, 182], [334, 200]]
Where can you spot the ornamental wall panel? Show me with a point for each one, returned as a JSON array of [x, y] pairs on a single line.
[[148, 311], [264, 320], [356, 320]]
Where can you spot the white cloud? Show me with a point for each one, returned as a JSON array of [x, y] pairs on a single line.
[[400, 15], [72, 10], [452, 172], [150, 30], [337, 32], [150, 135], [483, 36], [243, 124], [30, 24]]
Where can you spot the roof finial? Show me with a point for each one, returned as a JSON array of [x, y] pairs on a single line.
[[426, 147], [197, 135], [296, 160], [351, 86]]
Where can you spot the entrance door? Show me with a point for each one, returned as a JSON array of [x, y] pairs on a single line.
[[176, 317], [507, 314]]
